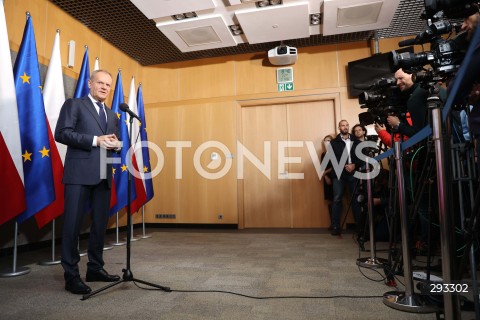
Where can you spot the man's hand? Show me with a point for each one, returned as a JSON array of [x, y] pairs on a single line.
[[109, 142], [350, 167], [393, 121], [327, 179], [380, 127]]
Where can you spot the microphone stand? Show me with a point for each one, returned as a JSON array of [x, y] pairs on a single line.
[[127, 273]]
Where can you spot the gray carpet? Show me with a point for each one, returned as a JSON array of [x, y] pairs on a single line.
[[260, 263]]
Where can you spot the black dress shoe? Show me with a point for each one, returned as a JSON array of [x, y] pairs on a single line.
[[101, 275], [77, 286], [335, 232]]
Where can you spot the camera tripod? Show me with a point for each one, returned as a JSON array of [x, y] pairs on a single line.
[[373, 261], [408, 300], [463, 175], [127, 273]]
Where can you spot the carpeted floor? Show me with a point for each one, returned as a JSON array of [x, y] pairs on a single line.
[[293, 274]]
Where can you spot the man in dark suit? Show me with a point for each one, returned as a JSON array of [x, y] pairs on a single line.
[[344, 143], [90, 130]]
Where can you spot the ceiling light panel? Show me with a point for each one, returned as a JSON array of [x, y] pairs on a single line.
[[201, 33], [346, 16], [275, 23], [165, 8]]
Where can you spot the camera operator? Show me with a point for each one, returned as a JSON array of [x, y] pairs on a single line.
[[416, 105]]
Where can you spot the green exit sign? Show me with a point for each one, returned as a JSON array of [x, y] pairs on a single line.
[[288, 86]]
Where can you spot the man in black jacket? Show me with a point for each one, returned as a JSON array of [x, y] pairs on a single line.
[[344, 145], [416, 102]]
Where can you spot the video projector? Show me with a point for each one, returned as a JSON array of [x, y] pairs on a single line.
[[282, 55]]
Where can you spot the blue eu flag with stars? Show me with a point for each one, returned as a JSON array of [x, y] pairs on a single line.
[[37, 164]]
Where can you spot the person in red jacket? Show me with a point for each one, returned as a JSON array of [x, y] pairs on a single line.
[[386, 137]]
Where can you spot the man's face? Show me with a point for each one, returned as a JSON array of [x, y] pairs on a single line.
[[358, 132], [470, 25], [344, 127], [404, 80], [100, 86]]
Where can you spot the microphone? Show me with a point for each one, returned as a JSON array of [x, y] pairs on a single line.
[[408, 42], [362, 86], [124, 107]]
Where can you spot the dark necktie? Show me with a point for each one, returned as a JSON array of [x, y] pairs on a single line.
[[102, 116]]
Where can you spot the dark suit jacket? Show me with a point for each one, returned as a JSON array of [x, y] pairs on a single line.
[[338, 145], [77, 124]]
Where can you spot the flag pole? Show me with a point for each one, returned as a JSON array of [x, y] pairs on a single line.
[[117, 242], [132, 237], [15, 271], [144, 236], [52, 261]]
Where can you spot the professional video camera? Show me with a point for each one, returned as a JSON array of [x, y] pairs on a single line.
[[445, 55], [382, 98]]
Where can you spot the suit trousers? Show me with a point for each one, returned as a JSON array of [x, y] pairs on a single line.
[[79, 199], [338, 189]]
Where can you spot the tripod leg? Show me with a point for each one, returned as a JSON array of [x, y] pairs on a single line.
[[86, 296], [166, 289]]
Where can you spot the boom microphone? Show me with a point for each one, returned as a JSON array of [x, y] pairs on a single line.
[[124, 107]]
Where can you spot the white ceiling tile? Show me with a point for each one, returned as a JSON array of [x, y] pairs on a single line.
[[165, 8], [198, 33], [275, 23], [346, 16]]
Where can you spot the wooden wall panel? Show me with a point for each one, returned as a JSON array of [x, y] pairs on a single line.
[[254, 74], [349, 109], [70, 30], [160, 83], [316, 67], [206, 79], [203, 199], [111, 59], [16, 18], [162, 126]]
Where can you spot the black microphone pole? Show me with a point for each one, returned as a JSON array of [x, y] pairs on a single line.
[[127, 273]]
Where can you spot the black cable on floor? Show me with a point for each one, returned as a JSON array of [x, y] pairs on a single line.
[[266, 297]]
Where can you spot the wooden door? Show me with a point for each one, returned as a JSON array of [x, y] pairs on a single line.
[[266, 200], [309, 122], [279, 202]]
